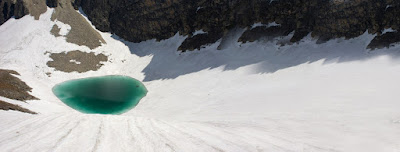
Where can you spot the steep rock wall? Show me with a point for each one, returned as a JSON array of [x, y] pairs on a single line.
[[12, 8], [139, 20]]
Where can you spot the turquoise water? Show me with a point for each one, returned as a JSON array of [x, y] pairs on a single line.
[[101, 95]]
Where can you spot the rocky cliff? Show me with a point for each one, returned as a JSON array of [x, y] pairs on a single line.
[[11, 8], [139, 20]]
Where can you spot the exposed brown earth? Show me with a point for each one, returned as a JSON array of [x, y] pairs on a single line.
[[76, 61], [81, 33], [13, 88], [8, 106], [55, 31], [36, 7]]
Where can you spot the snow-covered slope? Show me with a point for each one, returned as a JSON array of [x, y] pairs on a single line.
[[259, 96]]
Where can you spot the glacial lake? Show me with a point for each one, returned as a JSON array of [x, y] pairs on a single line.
[[101, 95]]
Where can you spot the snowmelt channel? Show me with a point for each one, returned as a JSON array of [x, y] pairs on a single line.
[[101, 95]]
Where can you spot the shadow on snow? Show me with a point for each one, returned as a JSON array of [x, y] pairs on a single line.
[[168, 63]]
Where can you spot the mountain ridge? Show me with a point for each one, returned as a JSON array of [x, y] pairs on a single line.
[[141, 20]]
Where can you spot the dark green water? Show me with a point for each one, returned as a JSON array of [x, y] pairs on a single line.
[[101, 95]]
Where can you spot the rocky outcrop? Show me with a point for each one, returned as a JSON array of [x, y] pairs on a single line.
[[13, 88], [384, 40], [81, 33], [197, 41], [35, 7], [8, 106], [268, 33]]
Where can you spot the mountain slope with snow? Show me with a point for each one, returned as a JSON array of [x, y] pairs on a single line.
[[258, 96]]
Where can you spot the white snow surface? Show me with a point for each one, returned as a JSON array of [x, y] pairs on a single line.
[[64, 28], [74, 61], [259, 96], [198, 32], [388, 30]]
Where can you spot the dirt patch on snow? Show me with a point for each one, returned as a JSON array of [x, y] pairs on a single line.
[[76, 61], [8, 106], [81, 33], [55, 31], [14, 88]]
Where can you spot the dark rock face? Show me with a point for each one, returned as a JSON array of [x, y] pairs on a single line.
[[9, 8], [141, 20], [52, 3], [264, 32], [384, 40], [197, 41], [20, 8], [98, 11]]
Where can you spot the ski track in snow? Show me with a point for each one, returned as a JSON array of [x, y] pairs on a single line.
[[126, 133], [336, 96]]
